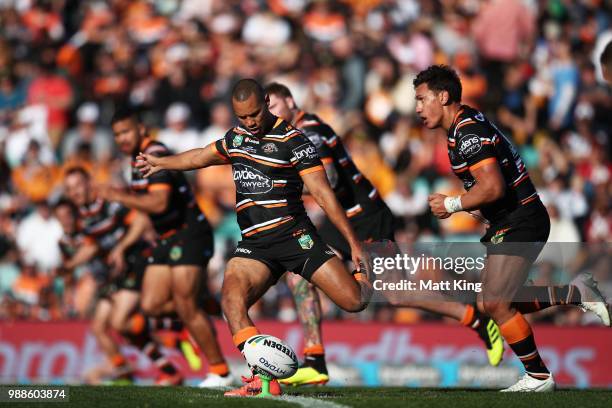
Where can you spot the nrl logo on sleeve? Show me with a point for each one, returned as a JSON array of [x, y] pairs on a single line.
[[305, 241], [470, 144], [237, 141], [269, 148], [305, 151]]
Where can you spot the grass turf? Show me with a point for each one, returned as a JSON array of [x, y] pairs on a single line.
[[327, 397]]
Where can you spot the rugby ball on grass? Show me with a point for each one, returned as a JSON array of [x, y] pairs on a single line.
[[270, 356]]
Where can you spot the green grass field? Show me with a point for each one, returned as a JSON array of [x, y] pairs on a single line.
[[327, 397]]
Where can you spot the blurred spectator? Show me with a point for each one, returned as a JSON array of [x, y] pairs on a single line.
[[37, 239], [33, 179], [54, 92], [87, 131], [220, 122], [177, 135]]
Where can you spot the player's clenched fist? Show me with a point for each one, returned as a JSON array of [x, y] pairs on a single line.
[[147, 164], [436, 203]]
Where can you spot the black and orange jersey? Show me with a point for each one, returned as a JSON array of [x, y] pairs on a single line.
[[182, 209], [69, 244], [354, 192], [267, 173], [103, 223], [474, 141]]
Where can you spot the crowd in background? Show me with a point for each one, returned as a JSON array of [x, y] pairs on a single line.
[[66, 64]]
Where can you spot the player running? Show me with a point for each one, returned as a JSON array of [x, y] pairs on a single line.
[[109, 234], [177, 266], [498, 185], [372, 221], [271, 162]]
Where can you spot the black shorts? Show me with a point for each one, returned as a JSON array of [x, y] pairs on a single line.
[[523, 233], [301, 251], [373, 227], [136, 262], [192, 245]]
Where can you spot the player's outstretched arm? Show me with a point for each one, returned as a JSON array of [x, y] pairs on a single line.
[[190, 160], [317, 184]]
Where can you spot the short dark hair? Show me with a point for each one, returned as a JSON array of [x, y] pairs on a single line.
[[123, 113], [606, 56], [77, 170], [440, 78], [244, 88], [277, 89], [64, 202]]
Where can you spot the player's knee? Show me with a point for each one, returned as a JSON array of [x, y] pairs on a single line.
[[494, 307], [353, 304], [149, 306]]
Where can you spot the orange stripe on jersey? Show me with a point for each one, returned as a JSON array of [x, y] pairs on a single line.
[[529, 200], [145, 143], [218, 153], [267, 227], [354, 212], [283, 139], [461, 170], [266, 163], [275, 205], [299, 117], [278, 122], [483, 162], [459, 112], [311, 170], [244, 206], [334, 143], [469, 122], [327, 160], [159, 187]]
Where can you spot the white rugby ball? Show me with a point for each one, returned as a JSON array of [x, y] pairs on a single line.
[[270, 356]]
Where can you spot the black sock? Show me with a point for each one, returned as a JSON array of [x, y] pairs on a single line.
[[316, 361]]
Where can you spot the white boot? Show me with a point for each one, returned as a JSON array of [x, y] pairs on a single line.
[[591, 297], [530, 384], [216, 381]]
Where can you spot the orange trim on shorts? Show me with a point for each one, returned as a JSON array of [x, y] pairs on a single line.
[[219, 369], [317, 349], [483, 162], [468, 316], [327, 160], [515, 329], [311, 170], [243, 335]]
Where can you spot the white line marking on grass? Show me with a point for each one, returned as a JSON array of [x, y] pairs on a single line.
[[308, 402]]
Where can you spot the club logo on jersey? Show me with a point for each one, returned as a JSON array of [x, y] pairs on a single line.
[[176, 252], [470, 145], [238, 139], [305, 152], [314, 137], [269, 148], [305, 241], [499, 236], [479, 116], [249, 180]]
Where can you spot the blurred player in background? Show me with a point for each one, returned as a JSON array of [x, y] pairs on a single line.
[[178, 265], [372, 221], [271, 162], [498, 185], [111, 236]]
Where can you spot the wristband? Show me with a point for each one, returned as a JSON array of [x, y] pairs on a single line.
[[453, 204]]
